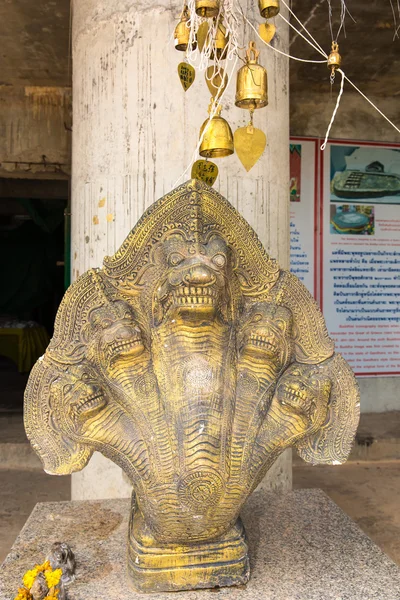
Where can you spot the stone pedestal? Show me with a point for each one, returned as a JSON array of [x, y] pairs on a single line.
[[301, 545], [134, 134]]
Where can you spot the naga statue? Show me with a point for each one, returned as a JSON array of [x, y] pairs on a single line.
[[192, 361]]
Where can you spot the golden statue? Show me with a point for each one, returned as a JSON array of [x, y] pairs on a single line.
[[192, 361]]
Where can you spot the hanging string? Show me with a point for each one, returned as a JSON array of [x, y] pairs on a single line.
[[396, 29], [321, 50], [318, 49], [342, 25], [276, 49], [309, 18], [371, 103], [339, 70], [312, 42], [335, 111], [213, 112]]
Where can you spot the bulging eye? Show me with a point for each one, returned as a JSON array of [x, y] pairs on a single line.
[[106, 323], [175, 259], [256, 318], [67, 389], [296, 372], [219, 260], [281, 324], [85, 377]]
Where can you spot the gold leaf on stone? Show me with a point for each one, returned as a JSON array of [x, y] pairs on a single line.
[[186, 74], [249, 145], [267, 32]]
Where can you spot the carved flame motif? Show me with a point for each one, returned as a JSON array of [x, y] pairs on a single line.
[[192, 361]]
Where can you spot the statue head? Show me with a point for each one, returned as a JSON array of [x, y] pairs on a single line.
[[302, 398], [114, 336], [195, 283], [53, 426], [265, 335]]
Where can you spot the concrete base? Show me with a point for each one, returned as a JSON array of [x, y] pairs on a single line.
[[301, 546]]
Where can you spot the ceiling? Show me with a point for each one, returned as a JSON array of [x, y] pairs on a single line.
[[35, 38]]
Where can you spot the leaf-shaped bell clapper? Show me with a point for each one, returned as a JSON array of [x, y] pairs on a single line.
[[334, 58], [220, 46], [182, 32], [268, 8], [217, 141], [207, 8], [251, 82]]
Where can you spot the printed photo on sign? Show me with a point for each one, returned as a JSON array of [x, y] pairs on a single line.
[[352, 219], [360, 250], [365, 174]]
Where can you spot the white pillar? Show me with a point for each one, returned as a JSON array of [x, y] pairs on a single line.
[[134, 132]]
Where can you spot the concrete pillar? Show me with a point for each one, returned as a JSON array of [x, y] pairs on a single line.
[[134, 132]]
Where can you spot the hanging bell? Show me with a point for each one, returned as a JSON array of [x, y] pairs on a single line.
[[334, 58], [220, 42], [182, 32], [207, 8], [268, 8], [217, 141], [251, 82]]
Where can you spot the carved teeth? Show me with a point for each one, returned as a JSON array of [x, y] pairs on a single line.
[[262, 341], [126, 345], [86, 404], [295, 395]]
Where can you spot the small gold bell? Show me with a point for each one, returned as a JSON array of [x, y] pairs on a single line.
[[268, 8], [207, 8], [221, 42], [251, 82], [218, 138], [334, 59], [182, 32]]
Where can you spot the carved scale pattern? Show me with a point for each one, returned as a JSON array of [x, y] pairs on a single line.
[[192, 361]]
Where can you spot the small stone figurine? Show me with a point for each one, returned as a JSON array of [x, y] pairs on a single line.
[[62, 557]]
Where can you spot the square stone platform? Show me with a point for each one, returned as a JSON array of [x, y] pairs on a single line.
[[302, 547]]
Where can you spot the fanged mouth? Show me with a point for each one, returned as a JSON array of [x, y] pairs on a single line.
[[298, 400], [294, 395], [260, 341], [125, 346], [89, 405], [189, 296]]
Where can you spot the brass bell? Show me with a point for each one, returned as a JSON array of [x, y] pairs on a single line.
[[268, 8], [334, 58], [182, 32], [221, 42], [207, 8], [218, 138], [251, 82]]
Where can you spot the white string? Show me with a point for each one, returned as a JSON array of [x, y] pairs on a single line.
[[371, 103], [335, 111], [309, 18], [303, 36], [276, 49], [321, 50], [396, 29], [213, 112]]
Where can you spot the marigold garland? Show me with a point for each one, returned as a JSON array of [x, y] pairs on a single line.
[[53, 578]]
